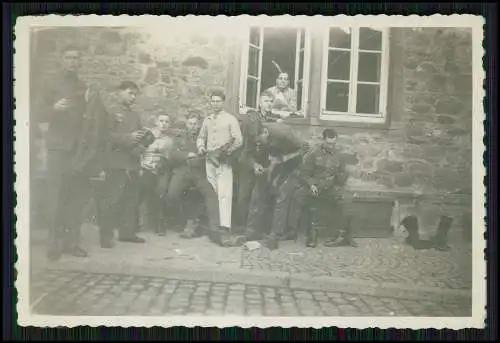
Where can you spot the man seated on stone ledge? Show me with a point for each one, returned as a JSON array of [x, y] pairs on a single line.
[[154, 174], [188, 174], [318, 184]]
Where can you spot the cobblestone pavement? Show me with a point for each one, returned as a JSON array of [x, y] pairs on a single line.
[[379, 260], [375, 260], [74, 293]]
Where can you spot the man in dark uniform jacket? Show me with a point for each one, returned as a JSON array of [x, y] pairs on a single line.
[[250, 124], [319, 183], [73, 144], [120, 195], [189, 172]]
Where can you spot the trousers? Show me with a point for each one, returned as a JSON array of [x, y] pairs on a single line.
[[67, 195], [153, 188], [245, 182], [182, 180], [261, 206], [221, 179], [294, 198]]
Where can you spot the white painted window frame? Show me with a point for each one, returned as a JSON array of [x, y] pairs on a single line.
[[242, 101], [351, 115]]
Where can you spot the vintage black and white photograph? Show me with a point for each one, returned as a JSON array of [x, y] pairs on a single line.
[[250, 171]]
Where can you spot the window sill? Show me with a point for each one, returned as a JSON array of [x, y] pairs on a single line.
[[383, 125]]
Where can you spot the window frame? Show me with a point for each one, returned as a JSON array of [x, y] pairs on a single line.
[[351, 116], [245, 50]]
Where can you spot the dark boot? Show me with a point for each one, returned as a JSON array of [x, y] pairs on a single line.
[[312, 238], [76, 251], [440, 238], [54, 251], [413, 239], [289, 235], [345, 238], [191, 230], [272, 242]]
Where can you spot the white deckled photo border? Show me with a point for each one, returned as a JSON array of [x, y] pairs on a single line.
[[192, 22]]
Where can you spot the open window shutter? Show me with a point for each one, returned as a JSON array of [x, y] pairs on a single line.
[[306, 70], [302, 63], [251, 67]]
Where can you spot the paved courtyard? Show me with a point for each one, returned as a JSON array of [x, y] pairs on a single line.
[[97, 285], [89, 294]]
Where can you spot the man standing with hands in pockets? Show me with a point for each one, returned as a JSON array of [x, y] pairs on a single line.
[[219, 137]]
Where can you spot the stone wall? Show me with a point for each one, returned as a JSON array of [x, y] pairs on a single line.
[[175, 71]]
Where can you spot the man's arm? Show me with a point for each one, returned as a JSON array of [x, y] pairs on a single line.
[[306, 173], [178, 153], [235, 132], [293, 100], [201, 141], [120, 138]]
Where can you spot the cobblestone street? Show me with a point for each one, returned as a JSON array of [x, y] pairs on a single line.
[[87, 294], [115, 281]]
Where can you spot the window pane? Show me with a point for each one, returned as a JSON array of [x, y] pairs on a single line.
[[302, 38], [299, 95], [369, 67], [340, 38], [339, 65], [337, 97], [251, 93], [255, 36], [370, 39], [253, 62], [368, 99]]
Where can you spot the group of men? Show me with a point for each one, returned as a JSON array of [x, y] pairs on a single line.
[[257, 179]]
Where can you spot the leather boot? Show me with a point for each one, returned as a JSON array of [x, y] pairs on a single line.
[[345, 238], [440, 238], [413, 239], [272, 242]]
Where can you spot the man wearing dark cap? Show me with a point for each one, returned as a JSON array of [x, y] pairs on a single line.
[[75, 142]]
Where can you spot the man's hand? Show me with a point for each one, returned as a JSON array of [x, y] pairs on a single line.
[[137, 135], [201, 151], [192, 155], [62, 105], [314, 190], [258, 169]]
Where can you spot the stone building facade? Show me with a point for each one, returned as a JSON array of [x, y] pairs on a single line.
[[418, 147]]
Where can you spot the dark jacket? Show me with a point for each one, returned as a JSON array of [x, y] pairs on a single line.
[[64, 126], [124, 151], [324, 167], [93, 146], [184, 143], [251, 124], [281, 142]]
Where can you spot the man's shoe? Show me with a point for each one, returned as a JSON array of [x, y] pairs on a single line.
[[272, 242], [76, 251], [288, 236], [54, 254], [107, 244], [135, 239]]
